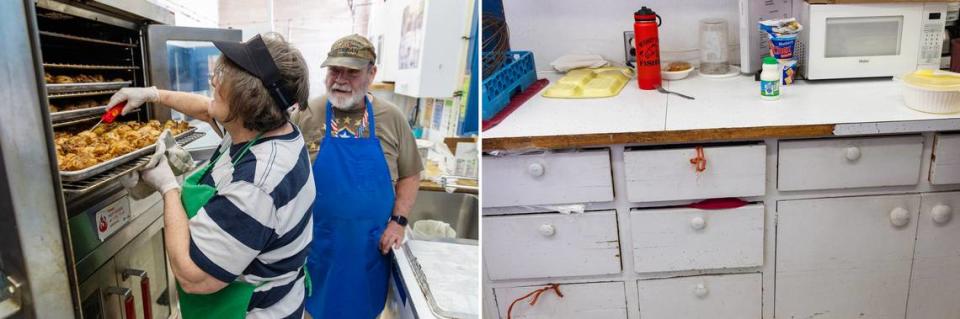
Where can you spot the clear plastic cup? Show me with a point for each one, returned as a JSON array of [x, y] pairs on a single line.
[[714, 58]]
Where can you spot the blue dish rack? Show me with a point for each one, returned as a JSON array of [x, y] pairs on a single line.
[[517, 74]]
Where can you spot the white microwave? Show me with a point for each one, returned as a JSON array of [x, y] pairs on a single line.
[[841, 41]]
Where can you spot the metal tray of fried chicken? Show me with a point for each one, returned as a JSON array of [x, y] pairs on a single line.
[[95, 86], [78, 175]]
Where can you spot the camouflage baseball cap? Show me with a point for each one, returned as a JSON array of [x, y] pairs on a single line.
[[352, 51]]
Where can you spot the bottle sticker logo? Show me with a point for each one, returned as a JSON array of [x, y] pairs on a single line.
[[769, 88]]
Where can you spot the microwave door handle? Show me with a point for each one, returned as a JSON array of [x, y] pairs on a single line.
[[144, 290], [130, 312]]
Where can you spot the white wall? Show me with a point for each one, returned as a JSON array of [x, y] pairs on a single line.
[[192, 13], [310, 25], [551, 28]]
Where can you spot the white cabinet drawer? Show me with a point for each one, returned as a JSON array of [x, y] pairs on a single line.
[[713, 297], [849, 162], [668, 174], [845, 257], [551, 245], [946, 160], [679, 239], [550, 178], [589, 300]]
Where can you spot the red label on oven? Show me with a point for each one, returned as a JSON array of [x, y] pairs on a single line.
[[111, 218]]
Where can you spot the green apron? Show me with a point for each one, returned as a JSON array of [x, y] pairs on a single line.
[[232, 300]]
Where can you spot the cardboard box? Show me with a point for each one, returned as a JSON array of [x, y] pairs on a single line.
[[869, 1]]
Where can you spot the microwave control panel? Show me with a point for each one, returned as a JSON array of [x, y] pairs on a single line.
[[931, 40]]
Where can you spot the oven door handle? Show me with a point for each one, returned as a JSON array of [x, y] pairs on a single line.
[[144, 290], [130, 311]]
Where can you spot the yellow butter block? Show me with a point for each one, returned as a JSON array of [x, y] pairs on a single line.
[[590, 83]]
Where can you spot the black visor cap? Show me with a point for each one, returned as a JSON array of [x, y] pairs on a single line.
[[254, 58]]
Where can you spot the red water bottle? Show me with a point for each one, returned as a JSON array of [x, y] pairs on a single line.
[[645, 23]]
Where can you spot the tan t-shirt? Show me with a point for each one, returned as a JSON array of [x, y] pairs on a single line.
[[396, 138]]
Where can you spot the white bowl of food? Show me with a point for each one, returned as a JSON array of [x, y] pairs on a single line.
[[676, 70]]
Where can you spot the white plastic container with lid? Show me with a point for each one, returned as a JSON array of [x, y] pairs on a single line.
[[770, 79], [932, 91]]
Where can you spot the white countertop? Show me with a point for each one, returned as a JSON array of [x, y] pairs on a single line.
[[720, 103]]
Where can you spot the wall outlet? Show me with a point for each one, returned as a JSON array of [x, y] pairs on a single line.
[[629, 49]]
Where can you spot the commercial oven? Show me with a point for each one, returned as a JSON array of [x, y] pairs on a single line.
[[74, 243]]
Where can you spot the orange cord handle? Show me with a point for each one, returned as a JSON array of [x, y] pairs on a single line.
[[699, 162], [536, 295]]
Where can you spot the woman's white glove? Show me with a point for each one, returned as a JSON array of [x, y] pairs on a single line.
[[160, 177], [135, 97]]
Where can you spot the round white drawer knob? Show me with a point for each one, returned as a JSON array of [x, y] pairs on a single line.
[[698, 223], [535, 169], [853, 153], [899, 217], [547, 230], [942, 214], [700, 291]]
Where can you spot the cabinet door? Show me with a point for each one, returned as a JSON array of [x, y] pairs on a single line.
[[845, 257], [99, 295], [141, 267], [935, 285]]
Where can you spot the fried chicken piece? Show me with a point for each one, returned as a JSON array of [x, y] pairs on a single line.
[[73, 162], [61, 79], [47, 77], [53, 108], [117, 80]]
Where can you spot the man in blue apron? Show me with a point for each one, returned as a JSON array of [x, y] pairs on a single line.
[[367, 171]]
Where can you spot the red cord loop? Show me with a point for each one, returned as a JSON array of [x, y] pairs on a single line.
[[536, 295]]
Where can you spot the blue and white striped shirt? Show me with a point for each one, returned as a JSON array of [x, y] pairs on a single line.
[[258, 227]]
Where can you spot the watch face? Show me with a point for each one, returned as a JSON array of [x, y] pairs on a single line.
[[400, 220]]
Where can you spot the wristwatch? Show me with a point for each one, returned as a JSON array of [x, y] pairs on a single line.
[[402, 221]]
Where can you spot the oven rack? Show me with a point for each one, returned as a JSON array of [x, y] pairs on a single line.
[[76, 87], [85, 39], [87, 113], [74, 188], [80, 94], [89, 66]]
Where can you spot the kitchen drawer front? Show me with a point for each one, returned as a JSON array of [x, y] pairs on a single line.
[[716, 297], [847, 257], [551, 245], [545, 179], [850, 162], [668, 174], [946, 160], [678, 239], [588, 300]]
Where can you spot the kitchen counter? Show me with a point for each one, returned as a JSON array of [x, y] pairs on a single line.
[[426, 185], [724, 109]]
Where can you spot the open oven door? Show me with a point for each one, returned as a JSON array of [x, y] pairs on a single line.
[[181, 59]]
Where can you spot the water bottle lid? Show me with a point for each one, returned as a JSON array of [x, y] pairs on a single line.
[[645, 14]]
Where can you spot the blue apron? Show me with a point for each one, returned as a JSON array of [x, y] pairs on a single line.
[[354, 202]]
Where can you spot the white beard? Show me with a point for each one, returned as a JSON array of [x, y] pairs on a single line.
[[350, 103]]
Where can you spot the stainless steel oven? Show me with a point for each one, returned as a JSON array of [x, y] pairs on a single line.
[[100, 254]]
